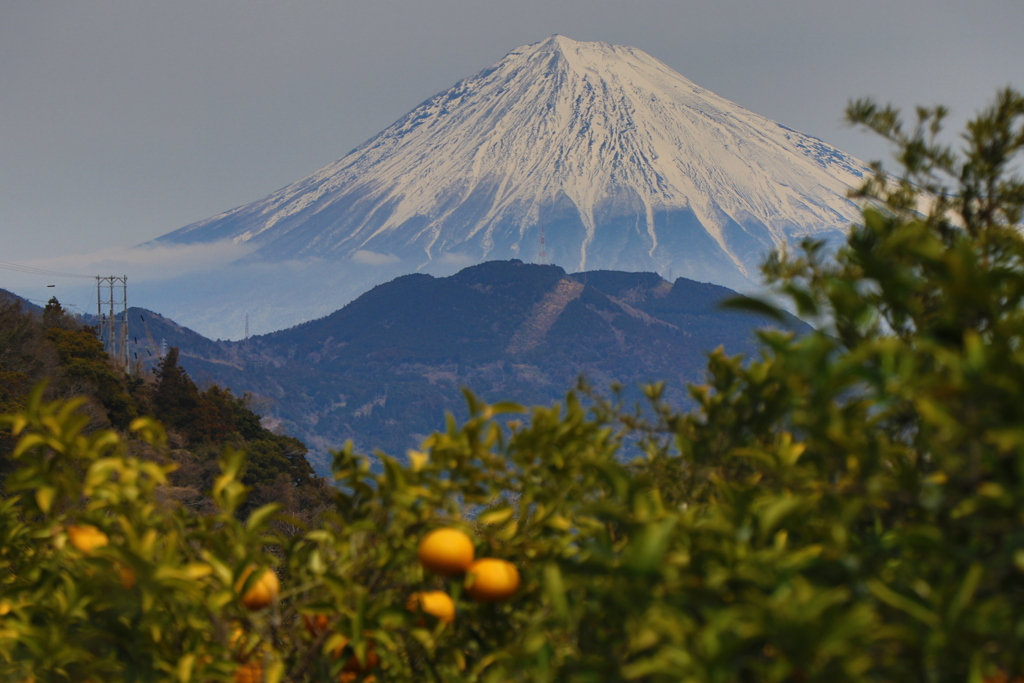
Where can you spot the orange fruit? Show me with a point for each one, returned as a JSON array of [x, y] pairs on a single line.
[[127, 575], [446, 551], [492, 580], [86, 537], [316, 623], [340, 649], [251, 672], [353, 664], [261, 593], [435, 603]]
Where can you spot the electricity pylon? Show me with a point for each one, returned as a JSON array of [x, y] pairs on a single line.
[[114, 326]]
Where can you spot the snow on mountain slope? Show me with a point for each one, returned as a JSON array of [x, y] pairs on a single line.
[[622, 162]]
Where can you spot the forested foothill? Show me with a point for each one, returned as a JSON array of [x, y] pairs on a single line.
[[847, 505], [54, 346]]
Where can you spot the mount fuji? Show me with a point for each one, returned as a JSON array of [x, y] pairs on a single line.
[[582, 154]]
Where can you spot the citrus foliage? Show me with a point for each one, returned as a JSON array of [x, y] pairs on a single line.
[[155, 601], [847, 507]]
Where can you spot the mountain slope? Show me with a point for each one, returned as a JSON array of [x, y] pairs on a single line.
[[384, 369], [622, 162], [24, 303]]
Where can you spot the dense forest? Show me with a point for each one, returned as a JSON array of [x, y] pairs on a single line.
[[54, 347]]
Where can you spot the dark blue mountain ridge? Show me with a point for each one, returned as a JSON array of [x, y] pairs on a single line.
[[384, 369]]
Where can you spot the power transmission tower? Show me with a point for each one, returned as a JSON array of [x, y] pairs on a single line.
[[542, 257], [112, 291]]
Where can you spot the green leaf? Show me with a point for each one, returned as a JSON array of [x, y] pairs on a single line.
[[274, 672], [27, 443], [190, 572], [44, 498], [185, 666], [966, 592], [1018, 559], [904, 604], [774, 512], [496, 516], [507, 407], [648, 551], [259, 517], [554, 587], [749, 304]]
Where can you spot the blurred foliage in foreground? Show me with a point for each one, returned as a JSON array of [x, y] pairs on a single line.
[[847, 507]]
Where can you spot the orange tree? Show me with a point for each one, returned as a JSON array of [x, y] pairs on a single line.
[[846, 507]]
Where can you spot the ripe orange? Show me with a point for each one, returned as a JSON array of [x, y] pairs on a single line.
[[261, 593], [127, 575], [435, 603], [446, 551], [353, 665], [492, 580], [86, 537], [352, 676], [340, 649], [316, 623], [251, 672]]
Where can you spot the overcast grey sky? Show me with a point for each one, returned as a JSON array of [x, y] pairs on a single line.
[[121, 120]]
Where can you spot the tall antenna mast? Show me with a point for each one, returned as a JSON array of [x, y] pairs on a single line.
[[543, 255], [246, 327]]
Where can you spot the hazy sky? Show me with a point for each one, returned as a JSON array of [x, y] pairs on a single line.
[[122, 120]]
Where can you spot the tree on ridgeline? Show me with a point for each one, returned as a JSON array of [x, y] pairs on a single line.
[[85, 368], [54, 315], [176, 397]]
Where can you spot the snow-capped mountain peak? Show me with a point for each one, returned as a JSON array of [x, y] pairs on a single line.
[[599, 155]]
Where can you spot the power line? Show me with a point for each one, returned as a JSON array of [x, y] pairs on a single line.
[[32, 270], [41, 301]]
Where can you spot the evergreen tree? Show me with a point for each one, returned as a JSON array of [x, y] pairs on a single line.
[[54, 315], [176, 398], [86, 369]]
